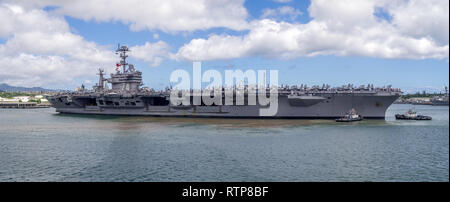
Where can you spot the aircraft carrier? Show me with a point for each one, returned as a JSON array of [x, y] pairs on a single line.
[[127, 96]]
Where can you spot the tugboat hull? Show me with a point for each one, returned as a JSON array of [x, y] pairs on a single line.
[[419, 117], [348, 120]]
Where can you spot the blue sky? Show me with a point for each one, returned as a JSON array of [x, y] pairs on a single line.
[[412, 69]]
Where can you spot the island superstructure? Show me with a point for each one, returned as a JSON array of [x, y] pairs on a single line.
[[127, 96]]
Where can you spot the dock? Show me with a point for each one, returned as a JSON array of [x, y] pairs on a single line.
[[23, 105]]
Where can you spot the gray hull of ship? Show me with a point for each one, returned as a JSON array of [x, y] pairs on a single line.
[[333, 106], [439, 103]]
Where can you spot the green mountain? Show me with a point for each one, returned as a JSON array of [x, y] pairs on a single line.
[[7, 88]]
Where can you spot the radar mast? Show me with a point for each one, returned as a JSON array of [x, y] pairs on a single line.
[[122, 51]]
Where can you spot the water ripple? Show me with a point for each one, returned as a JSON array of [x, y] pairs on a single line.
[[41, 145]]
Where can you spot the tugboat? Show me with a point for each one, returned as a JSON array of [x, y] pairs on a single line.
[[411, 115], [350, 117]]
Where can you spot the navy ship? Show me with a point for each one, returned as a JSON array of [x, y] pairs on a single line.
[[127, 96], [441, 100]]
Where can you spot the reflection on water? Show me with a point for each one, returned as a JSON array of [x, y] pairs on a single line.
[[138, 121], [41, 145], [226, 122]]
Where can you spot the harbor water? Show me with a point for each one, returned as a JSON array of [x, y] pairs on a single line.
[[42, 145]]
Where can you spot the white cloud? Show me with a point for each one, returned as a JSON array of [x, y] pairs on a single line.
[[341, 28], [215, 47], [165, 15], [288, 11], [40, 49], [152, 53], [423, 19]]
